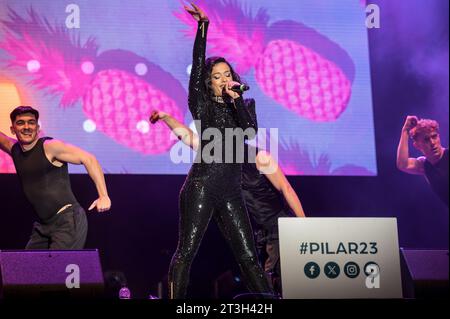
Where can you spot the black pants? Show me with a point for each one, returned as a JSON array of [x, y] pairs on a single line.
[[66, 230], [198, 204], [268, 247]]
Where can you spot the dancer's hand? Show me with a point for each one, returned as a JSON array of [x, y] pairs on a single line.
[[410, 122], [157, 115], [197, 13], [103, 204]]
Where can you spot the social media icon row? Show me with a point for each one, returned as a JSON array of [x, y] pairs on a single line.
[[332, 270]]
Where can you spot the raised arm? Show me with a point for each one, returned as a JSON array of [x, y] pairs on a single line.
[[268, 166], [181, 131], [404, 162], [196, 81], [6, 143], [62, 152]]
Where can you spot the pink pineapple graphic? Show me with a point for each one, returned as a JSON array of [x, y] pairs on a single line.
[[294, 160], [294, 65], [118, 89]]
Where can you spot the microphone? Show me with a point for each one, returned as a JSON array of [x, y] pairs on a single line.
[[240, 88]]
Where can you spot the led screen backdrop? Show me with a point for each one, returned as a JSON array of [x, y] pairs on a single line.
[[96, 70]]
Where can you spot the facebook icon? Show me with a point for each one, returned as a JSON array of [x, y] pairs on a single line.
[[312, 270]]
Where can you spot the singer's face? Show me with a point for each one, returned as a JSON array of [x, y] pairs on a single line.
[[220, 76]]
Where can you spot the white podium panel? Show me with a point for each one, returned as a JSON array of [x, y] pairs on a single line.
[[325, 258]]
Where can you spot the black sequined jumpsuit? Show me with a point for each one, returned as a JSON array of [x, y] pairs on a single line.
[[214, 189]]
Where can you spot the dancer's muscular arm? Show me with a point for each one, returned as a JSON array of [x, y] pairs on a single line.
[[58, 151], [267, 165], [405, 163], [181, 131], [6, 143]]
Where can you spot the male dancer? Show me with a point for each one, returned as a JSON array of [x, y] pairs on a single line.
[[41, 164], [434, 162]]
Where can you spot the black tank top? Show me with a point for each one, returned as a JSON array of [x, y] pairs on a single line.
[[437, 176], [46, 186], [264, 202]]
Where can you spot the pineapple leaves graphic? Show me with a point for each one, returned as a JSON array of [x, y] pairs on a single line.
[[113, 94]]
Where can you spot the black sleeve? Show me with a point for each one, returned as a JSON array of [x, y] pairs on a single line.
[[246, 114], [196, 81]]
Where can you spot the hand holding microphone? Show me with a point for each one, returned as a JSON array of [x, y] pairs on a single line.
[[239, 88], [235, 89]]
